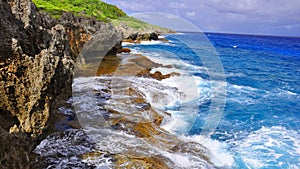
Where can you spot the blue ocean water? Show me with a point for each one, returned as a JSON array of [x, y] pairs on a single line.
[[260, 123]]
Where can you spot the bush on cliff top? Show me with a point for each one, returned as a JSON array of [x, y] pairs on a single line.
[[88, 8]]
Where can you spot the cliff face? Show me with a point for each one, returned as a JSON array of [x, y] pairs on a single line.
[[37, 56]]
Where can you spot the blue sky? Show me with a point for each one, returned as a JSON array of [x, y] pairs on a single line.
[[267, 17]]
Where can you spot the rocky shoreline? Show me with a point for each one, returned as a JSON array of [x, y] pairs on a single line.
[[38, 55], [133, 134], [37, 58]]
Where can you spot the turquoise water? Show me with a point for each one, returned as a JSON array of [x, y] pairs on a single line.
[[261, 118]]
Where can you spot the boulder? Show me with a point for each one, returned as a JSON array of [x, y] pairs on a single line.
[[153, 36], [124, 50]]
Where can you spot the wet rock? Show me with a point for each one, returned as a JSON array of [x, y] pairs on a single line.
[[37, 58], [124, 50], [143, 106], [133, 36], [195, 149], [156, 75], [128, 162], [153, 36], [140, 33], [63, 150], [108, 65]]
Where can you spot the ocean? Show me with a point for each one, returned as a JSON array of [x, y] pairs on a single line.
[[238, 95], [260, 124]]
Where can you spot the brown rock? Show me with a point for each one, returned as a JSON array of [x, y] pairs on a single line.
[[152, 162], [163, 40], [128, 40], [146, 130], [37, 57], [124, 50], [108, 65], [156, 75], [192, 148]]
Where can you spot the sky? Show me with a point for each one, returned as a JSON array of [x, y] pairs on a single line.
[[262, 17]]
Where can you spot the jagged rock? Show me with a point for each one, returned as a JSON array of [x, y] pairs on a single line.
[[140, 33], [37, 57], [192, 148], [156, 75], [153, 36], [128, 162], [124, 50]]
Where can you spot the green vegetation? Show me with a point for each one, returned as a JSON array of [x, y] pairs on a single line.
[[92, 8], [130, 21], [88, 8], [135, 23]]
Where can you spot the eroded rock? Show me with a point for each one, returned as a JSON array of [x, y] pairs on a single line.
[[37, 58]]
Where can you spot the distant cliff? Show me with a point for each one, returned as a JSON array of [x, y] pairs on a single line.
[[101, 11]]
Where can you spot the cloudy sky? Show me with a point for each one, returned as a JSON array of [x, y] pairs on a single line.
[[268, 17]]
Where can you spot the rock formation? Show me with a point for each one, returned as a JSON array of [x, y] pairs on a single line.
[[37, 57]]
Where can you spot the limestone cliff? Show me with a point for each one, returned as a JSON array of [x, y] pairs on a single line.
[[37, 56]]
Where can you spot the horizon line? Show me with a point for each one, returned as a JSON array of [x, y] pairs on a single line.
[[232, 33]]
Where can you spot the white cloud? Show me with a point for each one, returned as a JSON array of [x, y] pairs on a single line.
[[190, 14], [178, 5], [238, 16], [288, 26]]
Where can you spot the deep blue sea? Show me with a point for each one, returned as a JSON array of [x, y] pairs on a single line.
[[260, 123]]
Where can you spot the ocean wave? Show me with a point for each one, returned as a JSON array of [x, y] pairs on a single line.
[[235, 75], [250, 95], [220, 155], [270, 147], [152, 42], [127, 44], [179, 64]]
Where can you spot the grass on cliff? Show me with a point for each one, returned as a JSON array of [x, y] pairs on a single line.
[[88, 8], [137, 24], [92, 8]]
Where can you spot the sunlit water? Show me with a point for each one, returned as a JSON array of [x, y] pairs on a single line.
[[261, 121], [259, 127]]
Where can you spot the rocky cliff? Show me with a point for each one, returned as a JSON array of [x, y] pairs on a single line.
[[37, 56]]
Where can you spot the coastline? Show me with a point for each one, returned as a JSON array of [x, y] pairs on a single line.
[[127, 110], [38, 85]]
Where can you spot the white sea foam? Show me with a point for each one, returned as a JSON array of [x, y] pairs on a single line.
[[161, 36], [127, 44], [219, 153], [244, 94], [152, 42], [184, 161], [235, 75], [269, 147], [177, 90]]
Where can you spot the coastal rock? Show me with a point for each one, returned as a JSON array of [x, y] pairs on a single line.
[[124, 50], [138, 34], [137, 37], [37, 58], [156, 75], [128, 162], [153, 36]]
